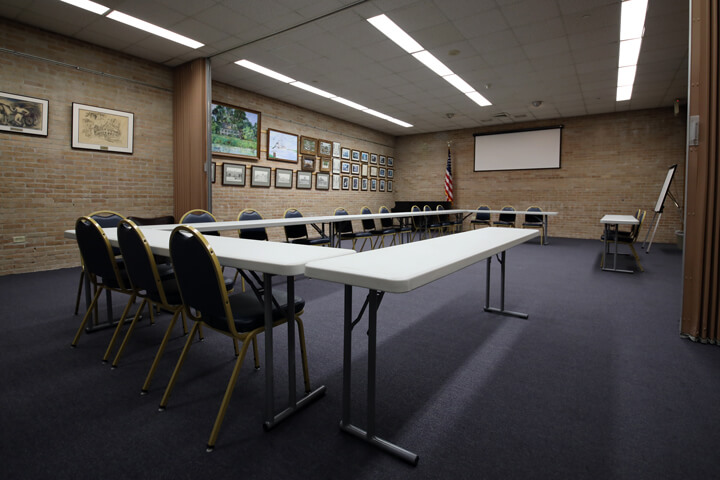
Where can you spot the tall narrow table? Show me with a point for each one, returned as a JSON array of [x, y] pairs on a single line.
[[400, 269], [612, 222]]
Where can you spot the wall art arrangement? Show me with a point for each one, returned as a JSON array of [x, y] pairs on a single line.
[[235, 131], [95, 128], [21, 114]]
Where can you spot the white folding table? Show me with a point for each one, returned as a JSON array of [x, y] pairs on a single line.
[[400, 269], [612, 222]]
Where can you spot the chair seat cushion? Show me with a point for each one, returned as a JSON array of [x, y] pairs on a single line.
[[249, 312], [383, 231], [312, 241]]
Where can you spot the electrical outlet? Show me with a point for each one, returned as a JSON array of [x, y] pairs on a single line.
[[19, 239]]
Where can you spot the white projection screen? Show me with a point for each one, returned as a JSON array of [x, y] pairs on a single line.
[[518, 149]]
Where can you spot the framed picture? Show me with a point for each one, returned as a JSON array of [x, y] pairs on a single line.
[[390, 161], [336, 182], [381, 172], [345, 167], [364, 156], [373, 184], [345, 183], [235, 131], [21, 114], [233, 174], [382, 159], [355, 183], [390, 173], [355, 169], [283, 178], [389, 186], [373, 158], [364, 171], [95, 128], [325, 164], [382, 185], [308, 145], [345, 153], [322, 181], [212, 172], [336, 149], [355, 156], [259, 176], [324, 148], [308, 163], [363, 184], [373, 171], [282, 146], [304, 179], [336, 165]]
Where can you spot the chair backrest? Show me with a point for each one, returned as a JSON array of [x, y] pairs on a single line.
[[198, 216], [418, 221], [385, 222], [429, 218], [161, 220], [635, 231], [140, 261], [507, 217], [106, 218], [441, 217], [97, 255], [529, 218], [294, 231], [482, 216], [200, 279], [258, 233], [342, 227], [367, 223]]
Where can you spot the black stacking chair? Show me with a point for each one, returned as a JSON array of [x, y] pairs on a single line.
[[419, 224], [258, 233], [402, 227], [506, 219], [628, 238], [298, 233], [199, 215], [448, 226], [239, 316], [433, 223], [535, 221], [345, 231], [482, 217], [101, 267], [379, 233]]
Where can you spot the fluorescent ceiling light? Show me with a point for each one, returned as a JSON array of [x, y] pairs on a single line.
[[265, 71], [632, 29], [629, 52], [349, 103], [312, 89], [387, 117], [459, 83], [479, 99], [395, 33], [632, 19], [626, 76], [154, 29], [623, 93], [88, 5], [429, 60]]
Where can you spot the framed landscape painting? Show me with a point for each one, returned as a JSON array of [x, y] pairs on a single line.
[[95, 128], [22, 114], [282, 146], [235, 131]]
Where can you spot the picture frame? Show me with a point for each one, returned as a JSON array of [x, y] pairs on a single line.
[[21, 114], [325, 164], [212, 173], [234, 131], [345, 182], [382, 159], [364, 171], [233, 174], [345, 167], [355, 183], [304, 180], [382, 185], [381, 172], [355, 156], [322, 181], [282, 146], [259, 176], [389, 186], [373, 184], [364, 156], [390, 161], [390, 173], [336, 165], [308, 145], [355, 169], [364, 184], [283, 178], [336, 182], [308, 163], [373, 158], [95, 128], [373, 171], [345, 153], [336, 149], [325, 148]]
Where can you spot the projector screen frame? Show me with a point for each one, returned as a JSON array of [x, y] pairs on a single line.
[[520, 130]]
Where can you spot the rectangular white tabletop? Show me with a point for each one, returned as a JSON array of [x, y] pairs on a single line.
[[402, 268], [619, 220]]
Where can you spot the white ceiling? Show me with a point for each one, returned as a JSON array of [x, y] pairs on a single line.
[[563, 53]]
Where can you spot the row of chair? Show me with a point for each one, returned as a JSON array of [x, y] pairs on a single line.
[[508, 219]]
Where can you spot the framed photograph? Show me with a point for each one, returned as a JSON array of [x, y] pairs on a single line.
[[382, 185], [389, 186], [325, 164], [355, 169], [283, 178], [390, 173], [22, 114], [373, 158], [356, 183], [259, 176], [212, 172], [282, 146], [235, 131], [325, 148], [336, 165], [381, 172], [355, 156], [345, 167], [233, 174], [373, 171], [364, 171], [363, 184], [95, 128], [308, 163], [382, 159], [304, 179], [336, 149], [364, 156], [308, 145], [373, 184], [336, 182], [345, 153], [390, 161], [345, 183], [322, 181]]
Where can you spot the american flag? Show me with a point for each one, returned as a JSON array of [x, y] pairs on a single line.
[[448, 179]]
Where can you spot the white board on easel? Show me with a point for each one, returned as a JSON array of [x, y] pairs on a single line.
[[660, 205]]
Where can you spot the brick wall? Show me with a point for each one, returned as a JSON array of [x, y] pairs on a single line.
[[612, 163]]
